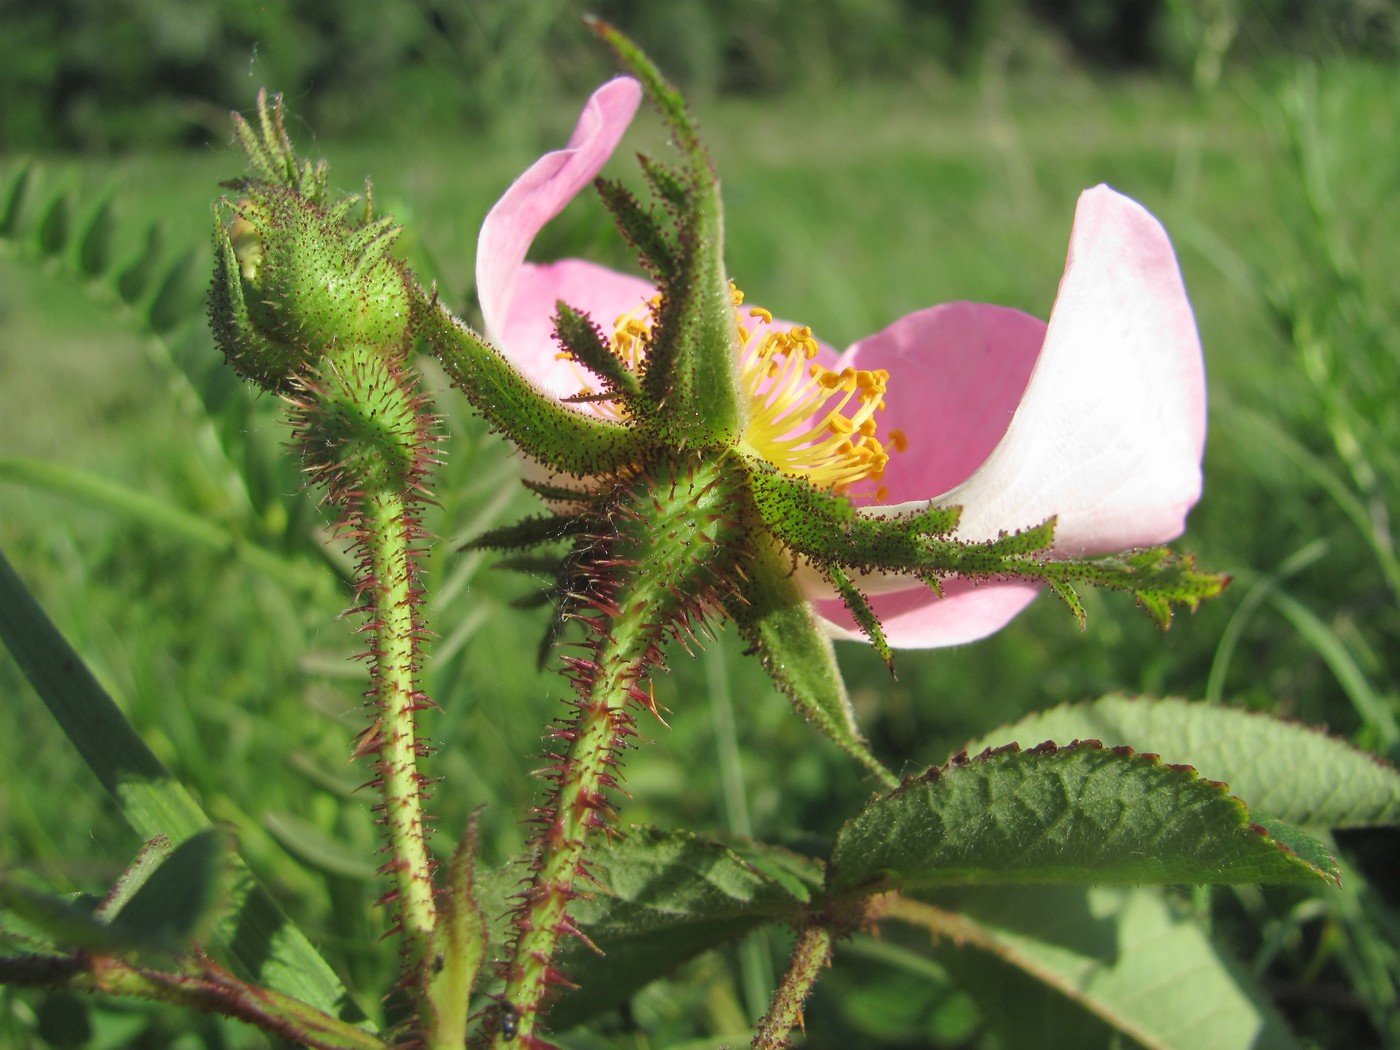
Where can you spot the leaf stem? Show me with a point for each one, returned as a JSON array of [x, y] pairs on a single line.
[[210, 988], [810, 956]]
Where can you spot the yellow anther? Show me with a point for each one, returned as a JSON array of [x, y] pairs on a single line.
[[840, 425], [762, 314], [898, 440]]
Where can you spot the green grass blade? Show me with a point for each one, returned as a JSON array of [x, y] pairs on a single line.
[[140, 506], [254, 929]]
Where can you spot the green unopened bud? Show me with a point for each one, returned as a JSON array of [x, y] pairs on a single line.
[[295, 281]]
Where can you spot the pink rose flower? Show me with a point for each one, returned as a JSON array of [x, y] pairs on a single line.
[[1097, 418]]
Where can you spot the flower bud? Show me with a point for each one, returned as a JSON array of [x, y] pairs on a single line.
[[294, 281]]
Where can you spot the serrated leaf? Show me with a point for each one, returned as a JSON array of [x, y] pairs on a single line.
[[1123, 954], [669, 896], [179, 898], [1052, 815], [1281, 769]]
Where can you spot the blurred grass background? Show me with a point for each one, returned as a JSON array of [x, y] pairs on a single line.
[[877, 156]]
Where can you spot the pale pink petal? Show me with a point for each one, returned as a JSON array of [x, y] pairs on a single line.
[[957, 373], [1110, 433], [525, 330], [915, 619], [541, 193]]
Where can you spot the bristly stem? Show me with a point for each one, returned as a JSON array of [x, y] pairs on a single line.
[[390, 533], [366, 437], [650, 574], [809, 957]]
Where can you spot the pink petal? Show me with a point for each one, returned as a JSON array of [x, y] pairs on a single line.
[[915, 619], [957, 373], [1110, 432], [541, 193], [525, 329]]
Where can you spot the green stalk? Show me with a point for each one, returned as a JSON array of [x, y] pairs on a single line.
[[585, 776], [209, 989], [652, 570], [366, 437], [809, 957], [394, 622]]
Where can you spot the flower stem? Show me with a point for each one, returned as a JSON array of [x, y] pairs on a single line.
[[810, 955], [389, 535], [207, 988], [366, 436], [651, 572], [599, 733]]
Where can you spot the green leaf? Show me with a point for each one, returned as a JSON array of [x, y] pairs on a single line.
[[776, 621], [254, 929], [1080, 813], [64, 923], [1282, 769], [178, 899], [669, 896], [1125, 955], [151, 856]]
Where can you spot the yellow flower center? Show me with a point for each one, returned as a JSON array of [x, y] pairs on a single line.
[[802, 418]]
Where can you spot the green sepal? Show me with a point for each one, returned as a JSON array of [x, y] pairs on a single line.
[[580, 335], [551, 493], [553, 434], [829, 530], [860, 609], [272, 156], [777, 622], [638, 225], [669, 184], [529, 532], [692, 371]]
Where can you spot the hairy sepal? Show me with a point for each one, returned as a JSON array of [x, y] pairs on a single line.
[[777, 622], [690, 373], [829, 531], [563, 439]]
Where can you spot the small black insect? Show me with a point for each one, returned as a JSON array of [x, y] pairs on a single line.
[[510, 1021]]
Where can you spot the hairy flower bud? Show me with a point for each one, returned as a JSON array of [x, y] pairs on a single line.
[[294, 281]]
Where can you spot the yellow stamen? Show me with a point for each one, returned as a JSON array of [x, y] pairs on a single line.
[[803, 418]]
